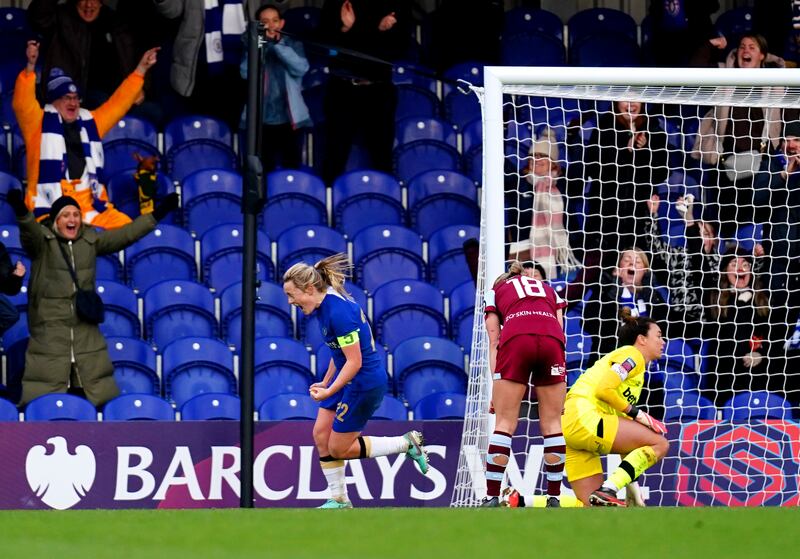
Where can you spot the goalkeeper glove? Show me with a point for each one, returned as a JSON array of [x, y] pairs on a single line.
[[633, 495], [647, 420]]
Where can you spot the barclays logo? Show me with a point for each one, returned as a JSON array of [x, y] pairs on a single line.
[[60, 479]]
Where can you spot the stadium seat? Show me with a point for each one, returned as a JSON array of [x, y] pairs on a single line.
[[469, 71], [301, 21], [416, 102], [414, 129], [678, 365], [578, 349], [391, 409], [8, 411], [684, 406], [526, 20], [426, 365], [756, 406], [532, 48], [119, 156], [14, 32], [736, 22], [221, 255], [273, 313], [364, 198], [462, 313], [606, 50], [196, 365], [440, 198], [461, 108], [7, 183], [135, 366], [600, 20], [138, 407], [176, 308], [282, 366], [211, 197], [9, 235], [472, 135], [294, 198], [15, 343], [448, 265], [197, 155], [382, 253], [108, 267], [124, 193], [441, 405], [122, 310], [307, 243], [288, 406], [165, 254], [424, 155], [405, 309], [60, 407], [212, 406], [194, 127], [131, 127]]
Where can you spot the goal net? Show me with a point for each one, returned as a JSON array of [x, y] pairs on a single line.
[[675, 193]]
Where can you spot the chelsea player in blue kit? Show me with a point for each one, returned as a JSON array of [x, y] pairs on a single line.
[[355, 382]]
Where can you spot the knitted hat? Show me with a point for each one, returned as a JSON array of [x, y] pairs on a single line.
[[546, 144], [59, 85], [792, 129], [58, 206]]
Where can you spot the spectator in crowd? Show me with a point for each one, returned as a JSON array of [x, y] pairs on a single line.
[[779, 22], [88, 42], [10, 283], [738, 333], [732, 140], [683, 34], [283, 110], [626, 156], [64, 152], [360, 98], [206, 55], [627, 285], [535, 211], [66, 352], [686, 270]]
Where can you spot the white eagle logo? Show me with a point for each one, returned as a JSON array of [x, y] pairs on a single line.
[[60, 479]]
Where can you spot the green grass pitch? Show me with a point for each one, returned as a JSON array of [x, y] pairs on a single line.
[[408, 533]]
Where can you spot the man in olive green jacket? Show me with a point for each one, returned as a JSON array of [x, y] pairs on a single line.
[[64, 351]]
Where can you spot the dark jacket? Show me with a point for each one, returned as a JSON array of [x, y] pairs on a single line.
[[9, 283], [80, 48], [58, 336]]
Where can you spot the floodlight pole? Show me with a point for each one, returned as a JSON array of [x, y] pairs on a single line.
[[252, 203]]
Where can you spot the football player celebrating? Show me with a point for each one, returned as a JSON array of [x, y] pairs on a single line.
[[601, 417], [355, 382], [530, 347]]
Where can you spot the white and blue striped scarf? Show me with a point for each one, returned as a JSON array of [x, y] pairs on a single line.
[[53, 160], [224, 25]]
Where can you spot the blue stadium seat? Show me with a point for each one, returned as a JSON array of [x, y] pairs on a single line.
[[14, 32], [678, 365], [447, 262], [416, 102], [108, 267], [391, 409], [469, 71], [414, 129], [196, 365], [19, 166], [736, 22], [405, 309], [9, 235], [302, 20], [7, 183], [176, 308], [440, 198], [138, 407], [122, 310], [60, 407], [15, 343], [196, 155], [441, 405], [424, 155], [427, 365], [190, 128], [473, 164], [133, 128], [165, 254], [124, 193], [212, 406], [211, 197], [526, 20], [273, 313], [308, 243], [288, 406], [405, 73], [472, 135], [5, 157], [282, 366], [221, 254], [462, 313], [756, 406], [294, 198], [8, 411], [532, 48], [382, 253], [600, 20], [687, 406], [135, 367], [606, 50], [578, 349], [118, 156], [364, 198]]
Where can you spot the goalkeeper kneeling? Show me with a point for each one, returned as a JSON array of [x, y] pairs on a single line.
[[601, 417]]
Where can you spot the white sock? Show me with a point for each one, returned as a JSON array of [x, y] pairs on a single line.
[[608, 484], [334, 474], [385, 446]]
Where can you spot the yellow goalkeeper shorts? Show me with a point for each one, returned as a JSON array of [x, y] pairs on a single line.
[[589, 434]]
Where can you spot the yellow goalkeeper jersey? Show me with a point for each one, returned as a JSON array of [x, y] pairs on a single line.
[[612, 383]]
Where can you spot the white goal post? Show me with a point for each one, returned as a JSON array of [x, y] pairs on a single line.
[[507, 90]]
